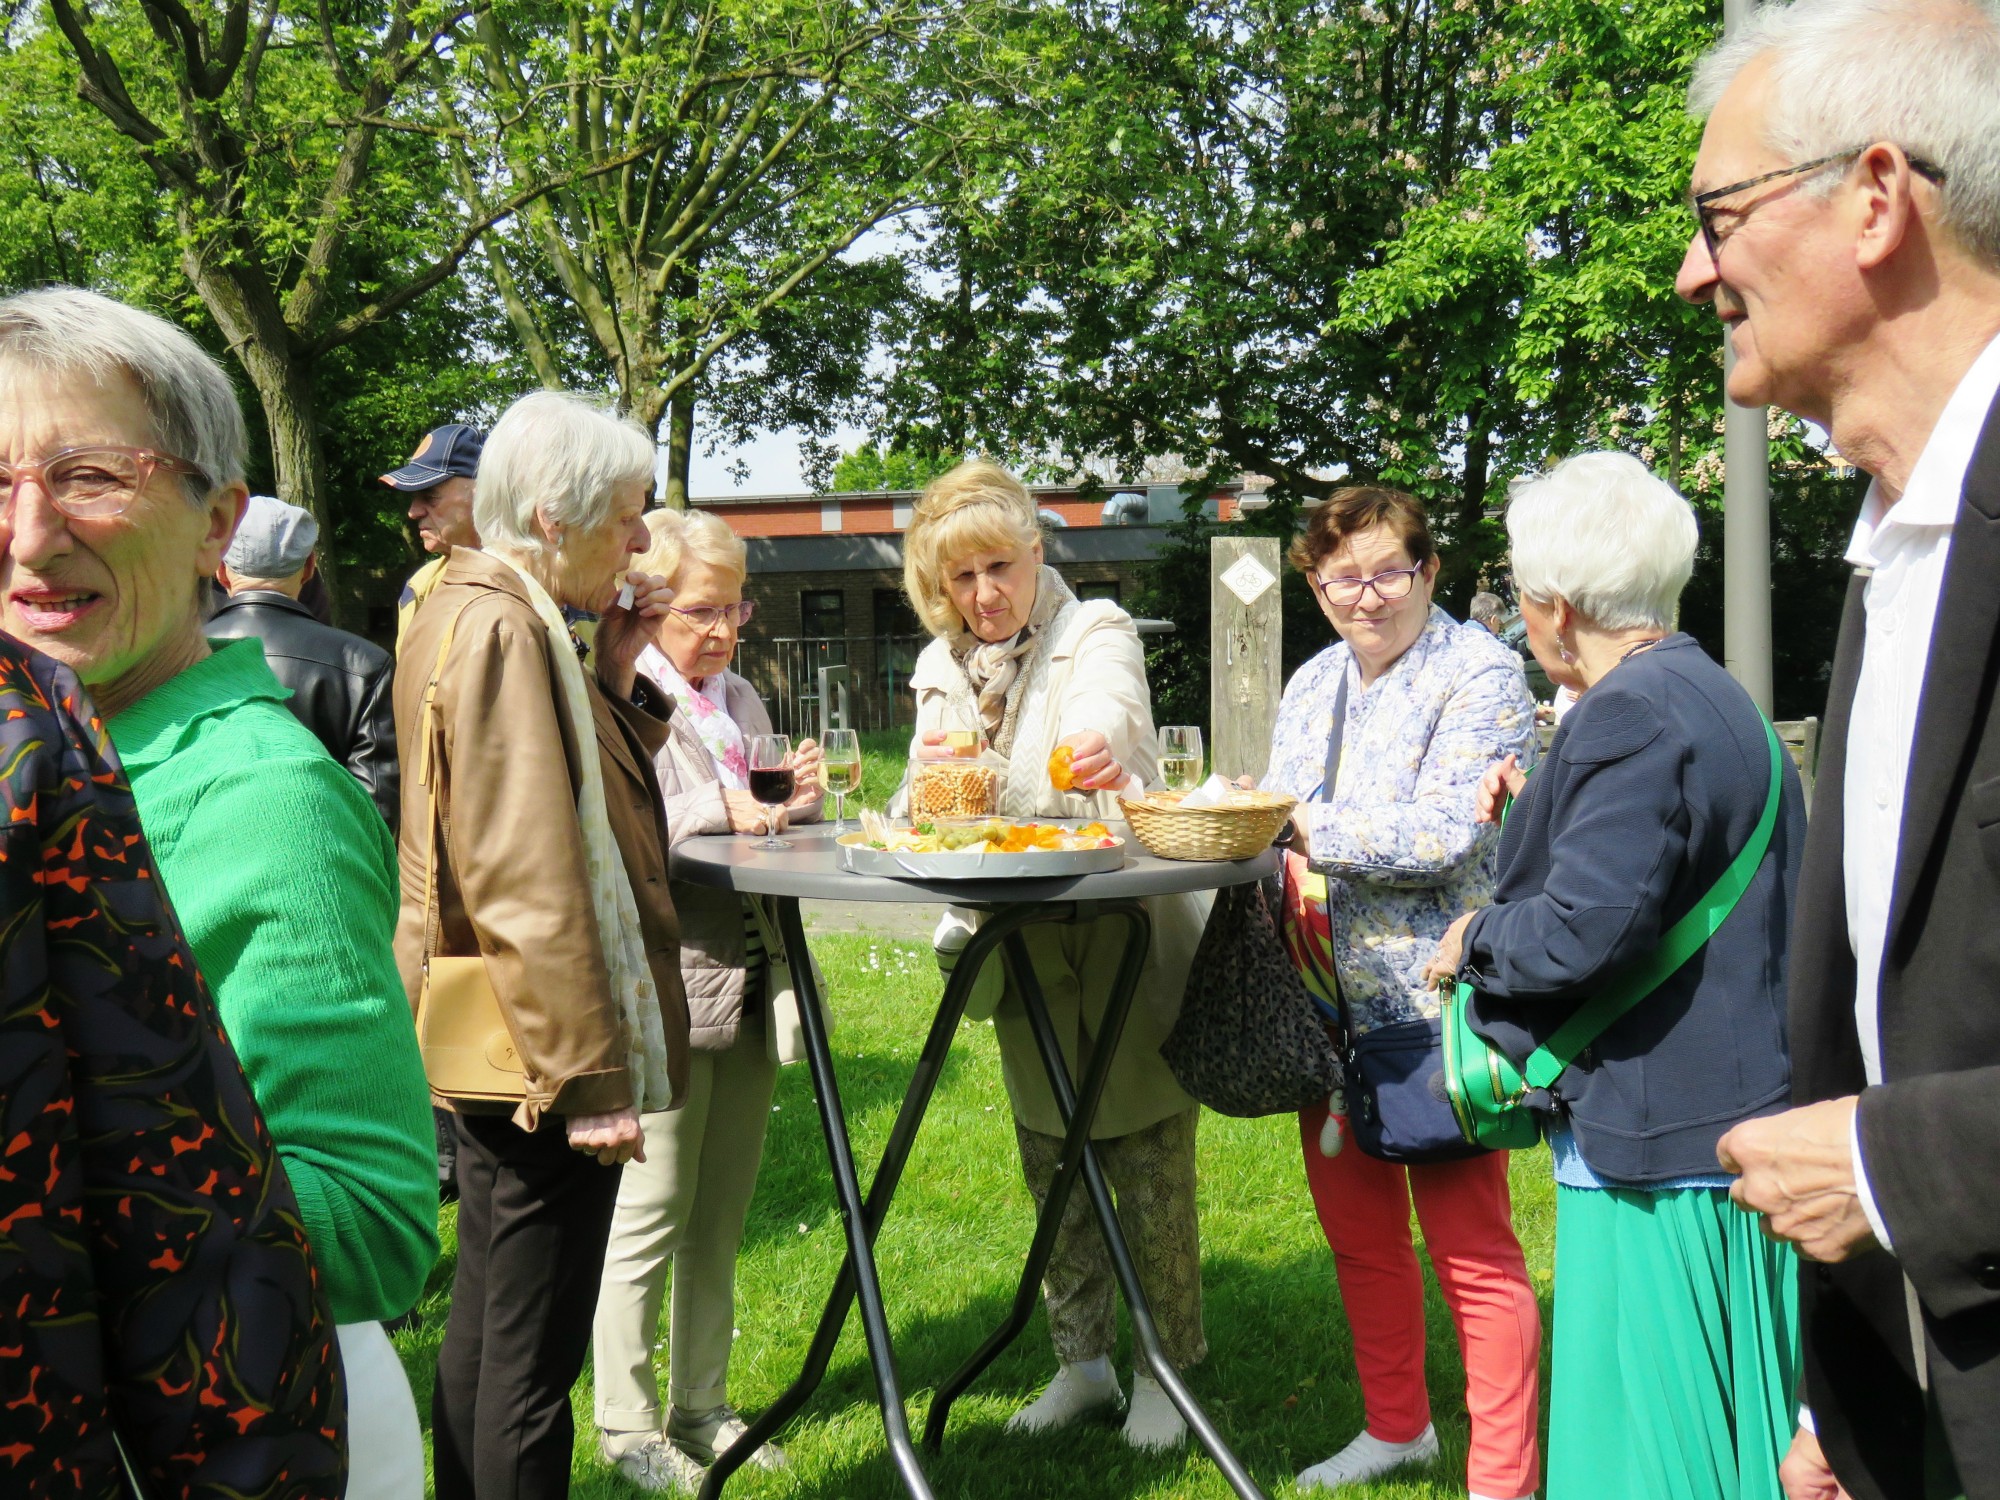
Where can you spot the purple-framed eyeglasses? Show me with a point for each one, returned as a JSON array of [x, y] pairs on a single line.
[[1390, 585], [708, 616], [95, 481]]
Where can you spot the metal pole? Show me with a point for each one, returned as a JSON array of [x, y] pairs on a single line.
[[1746, 516]]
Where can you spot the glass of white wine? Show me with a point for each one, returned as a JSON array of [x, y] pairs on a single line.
[[1180, 757], [842, 750]]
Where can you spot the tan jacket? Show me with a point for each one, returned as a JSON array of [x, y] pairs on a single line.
[[1092, 675], [512, 882], [712, 931]]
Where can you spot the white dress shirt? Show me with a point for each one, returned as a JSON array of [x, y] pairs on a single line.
[[1906, 544]]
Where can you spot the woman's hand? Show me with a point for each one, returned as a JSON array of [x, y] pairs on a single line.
[[1805, 1473], [1499, 786], [1450, 956], [623, 633], [1092, 765], [748, 815], [809, 770], [612, 1138]]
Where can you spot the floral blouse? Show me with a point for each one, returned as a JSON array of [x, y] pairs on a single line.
[[1397, 845]]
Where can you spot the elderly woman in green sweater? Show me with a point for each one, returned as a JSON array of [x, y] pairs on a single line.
[[121, 460]]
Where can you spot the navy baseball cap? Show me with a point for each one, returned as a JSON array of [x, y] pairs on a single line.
[[452, 449]]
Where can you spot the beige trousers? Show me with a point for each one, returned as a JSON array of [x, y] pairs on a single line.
[[684, 1206], [1151, 1176]]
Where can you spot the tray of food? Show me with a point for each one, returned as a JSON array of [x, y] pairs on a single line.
[[982, 849]]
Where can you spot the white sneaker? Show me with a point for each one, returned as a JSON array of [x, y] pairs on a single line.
[[1154, 1423], [651, 1462], [702, 1435], [1368, 1457], [1070, 1396]]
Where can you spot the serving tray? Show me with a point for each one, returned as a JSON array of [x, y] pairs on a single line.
[[960, 864]]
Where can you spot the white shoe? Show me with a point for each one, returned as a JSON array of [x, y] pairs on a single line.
[[1154, 1423], [702, 1435], [651, 1462], [1368, 1457], [1069, 1397]]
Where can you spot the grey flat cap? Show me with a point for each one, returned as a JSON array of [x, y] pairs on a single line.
[[273, 541]]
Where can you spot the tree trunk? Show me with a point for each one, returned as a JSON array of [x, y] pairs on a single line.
[[680, 448], [290, 398], [1459, 579]]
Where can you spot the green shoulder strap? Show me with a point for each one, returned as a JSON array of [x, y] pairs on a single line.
[[1683, 940]]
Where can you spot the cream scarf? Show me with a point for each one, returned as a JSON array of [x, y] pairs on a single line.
[[993, 666], [610, 891]]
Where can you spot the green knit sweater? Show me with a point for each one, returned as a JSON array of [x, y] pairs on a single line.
[[284, 879]]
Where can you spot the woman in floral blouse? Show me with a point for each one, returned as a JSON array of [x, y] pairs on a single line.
[[1383, 860]]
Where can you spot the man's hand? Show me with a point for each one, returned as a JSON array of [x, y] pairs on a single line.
[[612, 1138], [623, 633], [1797, 1170], [1805, 1474]]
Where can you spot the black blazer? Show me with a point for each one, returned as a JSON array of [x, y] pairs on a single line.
[[1930, 1133], [340, 685]]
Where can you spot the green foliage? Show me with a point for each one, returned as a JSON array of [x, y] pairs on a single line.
[[870, 467]]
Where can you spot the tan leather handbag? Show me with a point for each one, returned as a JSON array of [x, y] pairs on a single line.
[[469, 1053]]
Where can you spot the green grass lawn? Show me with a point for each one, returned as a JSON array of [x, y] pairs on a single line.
[[1279, 1380]]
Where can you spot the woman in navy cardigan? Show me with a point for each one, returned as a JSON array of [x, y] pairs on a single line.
[[1676, 1320]]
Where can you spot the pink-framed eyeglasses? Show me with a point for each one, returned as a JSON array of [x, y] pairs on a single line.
[[96, 481]]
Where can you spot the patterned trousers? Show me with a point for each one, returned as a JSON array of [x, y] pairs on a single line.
[[1151, 1175]]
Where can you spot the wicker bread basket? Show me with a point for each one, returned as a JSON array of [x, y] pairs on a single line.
[[1242, 830]]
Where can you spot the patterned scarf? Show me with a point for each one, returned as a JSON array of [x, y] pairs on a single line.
[[992, 667], [707, 708], [610, 890]]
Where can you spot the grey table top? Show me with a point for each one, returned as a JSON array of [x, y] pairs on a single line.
[[811, 868]]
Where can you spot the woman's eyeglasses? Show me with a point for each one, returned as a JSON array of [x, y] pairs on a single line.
[[88, 484], [1389, 585], [708, 616]]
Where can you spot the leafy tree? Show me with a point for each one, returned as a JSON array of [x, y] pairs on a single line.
[[870, 467]]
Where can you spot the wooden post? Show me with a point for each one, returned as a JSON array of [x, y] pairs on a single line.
[[1245, 676]]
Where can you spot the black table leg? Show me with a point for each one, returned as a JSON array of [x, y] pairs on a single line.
[[1028, 1291], [863, 1221], [1143, 1332]]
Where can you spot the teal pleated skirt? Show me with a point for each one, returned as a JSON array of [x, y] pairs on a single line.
[[1676, 1349]]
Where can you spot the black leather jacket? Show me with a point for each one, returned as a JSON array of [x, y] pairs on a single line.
[[340, 685]]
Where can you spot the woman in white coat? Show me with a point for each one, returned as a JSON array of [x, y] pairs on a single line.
[[685, 1202], [1020, 659]]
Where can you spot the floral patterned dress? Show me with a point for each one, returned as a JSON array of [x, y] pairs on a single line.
[[1396, 854], [156, 1292]]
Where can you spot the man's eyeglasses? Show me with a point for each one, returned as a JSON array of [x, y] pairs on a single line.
[[1390, 585], [89, 484], [708, 616], [1705, 211]]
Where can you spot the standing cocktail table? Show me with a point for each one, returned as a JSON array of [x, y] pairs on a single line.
[[811, 868]]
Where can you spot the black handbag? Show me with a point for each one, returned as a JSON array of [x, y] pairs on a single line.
[[1249, 1041], [1397, 1105]]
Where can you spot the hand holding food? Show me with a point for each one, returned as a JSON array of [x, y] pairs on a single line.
[[1092, 767]]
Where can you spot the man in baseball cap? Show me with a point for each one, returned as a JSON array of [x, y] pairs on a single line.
[[438, 481], [340, 683]]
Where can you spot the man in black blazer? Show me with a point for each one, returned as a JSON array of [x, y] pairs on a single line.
[[1848, 187]]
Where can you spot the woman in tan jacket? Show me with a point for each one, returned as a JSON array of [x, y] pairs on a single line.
[[1019, 658], [534, 777], [685, 1205]]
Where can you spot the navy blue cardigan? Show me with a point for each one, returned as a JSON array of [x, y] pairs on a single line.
[[1653, 785]]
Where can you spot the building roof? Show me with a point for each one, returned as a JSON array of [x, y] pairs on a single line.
[[1106, 488]]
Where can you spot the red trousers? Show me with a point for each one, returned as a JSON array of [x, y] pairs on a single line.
[[1364, 1207]]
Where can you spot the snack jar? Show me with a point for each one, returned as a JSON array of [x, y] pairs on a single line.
[[961, 778]]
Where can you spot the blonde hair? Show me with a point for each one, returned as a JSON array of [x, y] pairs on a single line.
[[976, 507], [680, 534]]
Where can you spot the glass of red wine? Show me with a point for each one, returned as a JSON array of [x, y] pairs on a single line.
[[772, 780]]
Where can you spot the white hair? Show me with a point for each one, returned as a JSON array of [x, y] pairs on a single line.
[[63, 330], [559, 454], [681, 534], [1921, 74], [1602, 531]]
